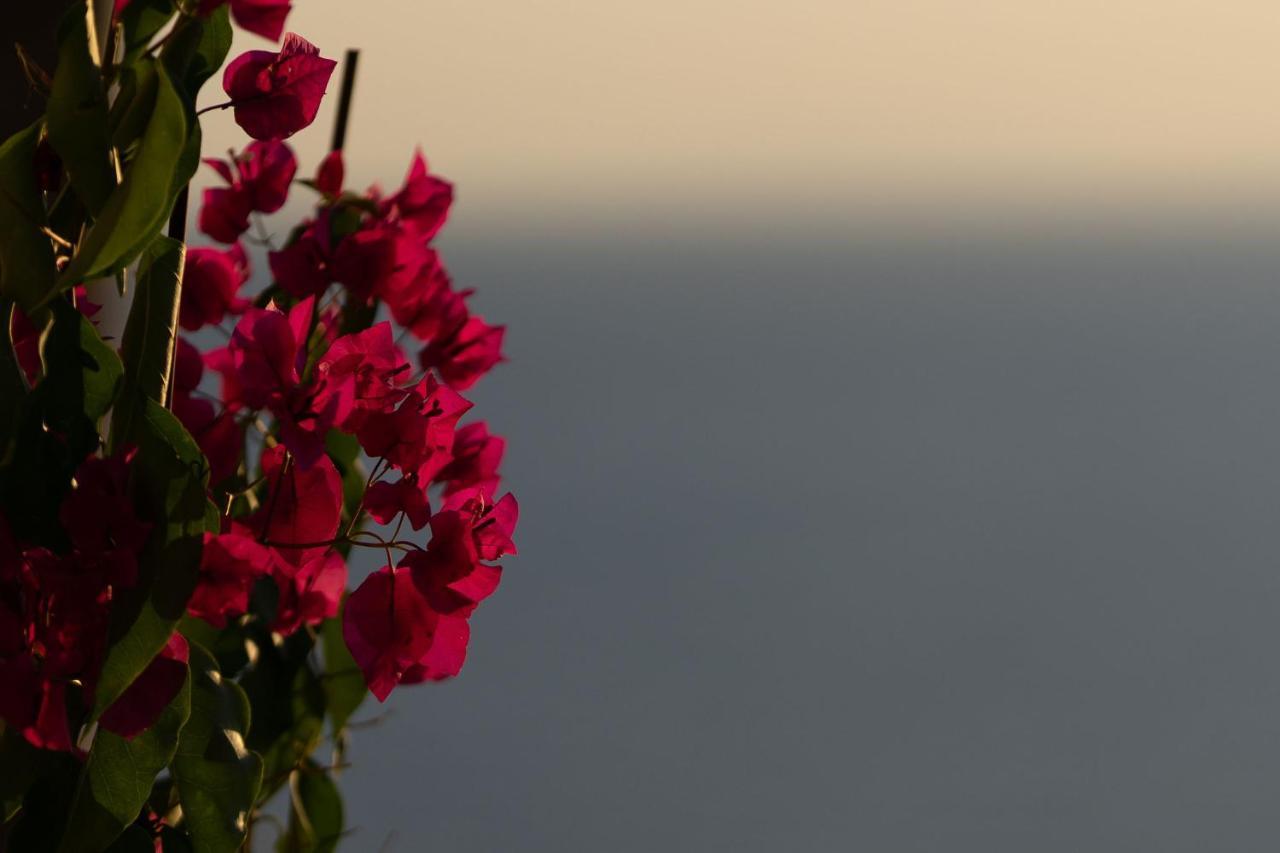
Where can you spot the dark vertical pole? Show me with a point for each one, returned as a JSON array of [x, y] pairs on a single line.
[[344, 99]]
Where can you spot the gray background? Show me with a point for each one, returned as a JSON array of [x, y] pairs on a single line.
[[910, 541]]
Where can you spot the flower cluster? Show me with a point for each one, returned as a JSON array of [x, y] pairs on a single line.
[[299, 363], [54, 613], [313, 422]]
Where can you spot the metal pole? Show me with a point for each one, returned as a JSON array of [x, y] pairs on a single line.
[[344, 99]]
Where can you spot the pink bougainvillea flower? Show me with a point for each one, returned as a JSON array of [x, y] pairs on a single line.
[[220, 437], [140, 705], [274, 95], [302, 267], [447, 654], [384, 501], [309, 592], [303, 508], [378, 259], [262, 367], [188, 366], [229, 565], [489, 524], [261, 17], [224, 214], [211, 281], [465, 354], [258, 180], [264, 352], [417, 436], [422, 204], [388, 627], [357, 374], [98, 516], [50, 729], [476, 457], [330, 174]]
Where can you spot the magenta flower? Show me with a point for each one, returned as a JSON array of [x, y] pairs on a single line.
[[384, 501], [262, 17], [258, 180], [330, 174], [302, 267], [211, 282], [303, 508], [466, 353], [422, 204], [388, 627], [357, 375], [417, 436], [229, 565], [275, 95], [310, 592], [476, 457]]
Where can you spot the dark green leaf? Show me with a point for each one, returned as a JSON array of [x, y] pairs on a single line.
[[133, 104], [59, 426], [174, 841], [118, 776], [22, 764], [315, 813], [197, 51], [288, 701], [171, 476], [150, 335], [141, 20], [344, 685], [140, 205], [134, 840], [225, 644], [217, 777], [77, 115], [38, 826], [26, 255], [83, 372]]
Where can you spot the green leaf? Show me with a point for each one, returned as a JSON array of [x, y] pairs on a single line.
[[134, 840], [133, 104], [59, 426], [83, 374], [150, 335], [315, 814], [77, 115], [26, 255], [142, 20], [197, 50], [45, 807], [22, 764], [140, 205], [118, 776], [288, 701], [344, 685], [171, 476], [217, 777]]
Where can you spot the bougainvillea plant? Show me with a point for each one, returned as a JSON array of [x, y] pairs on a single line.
[[179, 497]]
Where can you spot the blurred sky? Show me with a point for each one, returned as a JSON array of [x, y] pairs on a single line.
[[573, 109], [838, 537]]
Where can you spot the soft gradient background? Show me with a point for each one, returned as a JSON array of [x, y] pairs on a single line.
[[893, 409]]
